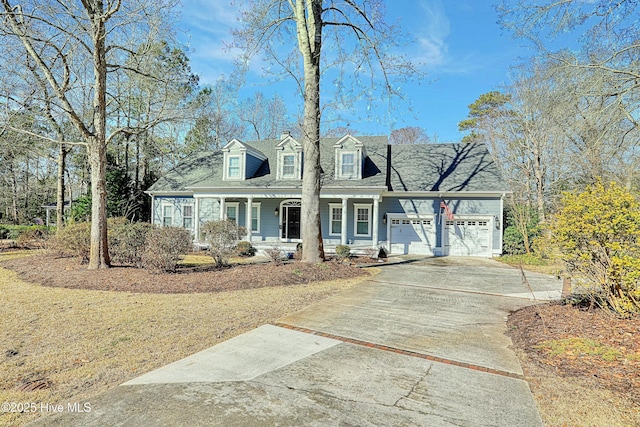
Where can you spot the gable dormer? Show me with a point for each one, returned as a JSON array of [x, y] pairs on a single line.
[[349, 158], [289, 158], [240, 161]]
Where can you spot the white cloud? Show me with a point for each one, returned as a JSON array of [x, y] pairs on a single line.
[[432, 38], [435, 38], [207, 25]]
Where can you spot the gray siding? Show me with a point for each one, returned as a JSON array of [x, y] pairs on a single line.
[[176, 203], [253, 164], [352, 239], [209, 209]]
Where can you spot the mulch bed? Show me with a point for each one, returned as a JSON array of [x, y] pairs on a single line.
[[69, 273], [531, 326]]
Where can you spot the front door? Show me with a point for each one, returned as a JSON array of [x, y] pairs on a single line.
[[290, 222]]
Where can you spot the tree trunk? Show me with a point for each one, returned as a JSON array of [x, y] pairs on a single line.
[[14, 194], [97, 146], [539, 177], [99, 255], [62, 157], [309, 28], [27, 190]]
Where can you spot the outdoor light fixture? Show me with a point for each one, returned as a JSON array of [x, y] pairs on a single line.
[[384, 218], [497, 220], [276, 212]]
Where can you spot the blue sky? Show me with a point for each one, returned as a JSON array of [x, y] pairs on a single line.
[[464, 51]]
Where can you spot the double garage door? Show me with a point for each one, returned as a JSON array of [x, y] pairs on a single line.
[[461, 237]]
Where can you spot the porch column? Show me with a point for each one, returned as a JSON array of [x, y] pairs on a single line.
[[376, 215], [223, 213], [153, 209], [343, 223], [196, 226], [247, 221]]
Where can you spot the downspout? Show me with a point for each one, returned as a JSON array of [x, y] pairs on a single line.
[[440, 222]]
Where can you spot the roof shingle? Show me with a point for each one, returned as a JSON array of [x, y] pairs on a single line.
[[413, 168]]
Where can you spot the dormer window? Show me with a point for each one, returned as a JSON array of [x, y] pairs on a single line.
[[234, 167], [349, 158], [288, 166], [348, 165], [241, 161], [289, 158]]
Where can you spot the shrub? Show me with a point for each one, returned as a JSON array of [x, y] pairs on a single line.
[[127, 242], [15, 230], [297, 255], [522, 227], [245, 249], [275, 254], [81, 209], [73, 240], [342, 252], [29, 235], [164, 247], [513, 241], [24, 233], [372, 252], [598, 232], [222, 237]]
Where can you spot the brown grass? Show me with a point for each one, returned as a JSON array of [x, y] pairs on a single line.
[[63, 345]]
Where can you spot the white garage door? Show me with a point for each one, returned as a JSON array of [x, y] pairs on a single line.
[[467, 237], [412, 236]]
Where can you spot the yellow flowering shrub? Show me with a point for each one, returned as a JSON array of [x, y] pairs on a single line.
[[598, 233]]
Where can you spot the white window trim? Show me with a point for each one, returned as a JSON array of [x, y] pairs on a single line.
[[227, 162], [355, 219], [333, 206], [193, 216], [293, 174], [354, 174], [162, 215], [257, 206], [297, 165], [236, 205]]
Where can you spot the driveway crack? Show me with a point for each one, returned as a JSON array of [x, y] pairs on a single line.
[[415, 385], [328, 395]]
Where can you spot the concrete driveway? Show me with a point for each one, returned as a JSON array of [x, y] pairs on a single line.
[[422, 343]]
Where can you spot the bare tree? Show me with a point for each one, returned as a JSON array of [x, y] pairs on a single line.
[[265, 118], [551, 130], [409, 135], [73, 47], [334, 27], [340, 131], [608, 32], [215, 115], [154, 89]]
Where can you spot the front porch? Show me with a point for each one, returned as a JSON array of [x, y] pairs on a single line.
[[275, 219]]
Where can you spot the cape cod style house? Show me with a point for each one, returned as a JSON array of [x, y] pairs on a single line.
[[432, 199]]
